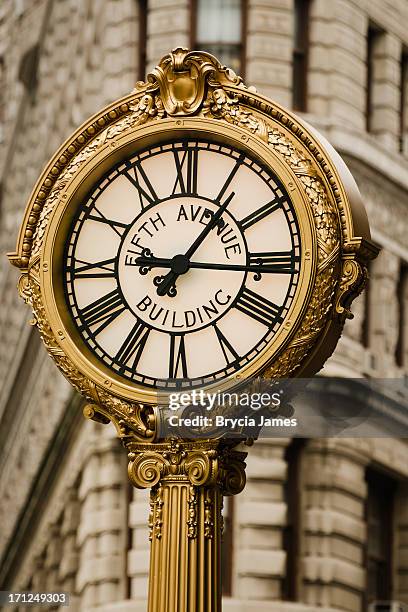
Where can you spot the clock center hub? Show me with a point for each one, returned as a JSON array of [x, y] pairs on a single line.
[[180, 264]]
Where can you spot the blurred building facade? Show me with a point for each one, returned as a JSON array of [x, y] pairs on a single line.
[[322, 523]]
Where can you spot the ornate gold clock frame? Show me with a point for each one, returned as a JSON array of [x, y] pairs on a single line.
[[191, 93]]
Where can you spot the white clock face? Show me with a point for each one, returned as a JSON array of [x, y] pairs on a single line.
[[182, 264]]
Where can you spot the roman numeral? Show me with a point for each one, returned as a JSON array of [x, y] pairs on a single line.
[[117, 227], [230, 177], [228, 350], [178, 361], [260, 213], [187, 169], [138, 177], [278, 261], [133, 346], [99, 269], [102, 312], [258, 307]]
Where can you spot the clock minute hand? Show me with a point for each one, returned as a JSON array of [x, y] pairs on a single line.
[[256, 268], [207, 229], [167, 284], [160, 262]]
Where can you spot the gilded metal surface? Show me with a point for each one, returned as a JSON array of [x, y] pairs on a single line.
[[194, 84], [198, 462], [192, 93], [188, 480], [181, 77]]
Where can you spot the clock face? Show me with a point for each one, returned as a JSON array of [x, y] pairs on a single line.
[[182, 264]]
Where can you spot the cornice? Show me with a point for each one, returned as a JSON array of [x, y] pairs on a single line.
[[364, 147]]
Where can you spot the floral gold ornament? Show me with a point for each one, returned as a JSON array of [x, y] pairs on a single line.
[[190, 209]]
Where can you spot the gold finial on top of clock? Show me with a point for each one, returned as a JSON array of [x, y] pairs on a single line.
[[182, 76]]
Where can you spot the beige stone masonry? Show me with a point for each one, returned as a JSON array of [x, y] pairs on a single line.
[[337, 61], [269, 48], [386, 90], [334, 532], [384, 311], [102, 531], [260, 518], [138, 555], [168, 28]]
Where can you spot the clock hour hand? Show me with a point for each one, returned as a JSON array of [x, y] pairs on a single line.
[[179, 264], [166, 285], [147, 261]]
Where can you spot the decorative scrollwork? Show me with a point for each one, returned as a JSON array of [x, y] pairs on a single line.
[[202, 465], [234, 478], [182, 77], [208, 514], [158, 513], [155, 521], [258, 275], [145, 269], [354, 277], [192, 512], [145, 470], [24, 288], [150, 522]]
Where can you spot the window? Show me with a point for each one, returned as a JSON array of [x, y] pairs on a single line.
[[129, 538], [291, 536], [300, 54], [28, 70], [142, 39], [365, 328], [379, 520], [218, 26], [402, 295], [19, 7], [227, 546], [374, 34], [2, 97], [403, 99]]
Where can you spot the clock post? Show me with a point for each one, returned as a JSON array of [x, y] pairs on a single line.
[[188, 481], [192, 235]]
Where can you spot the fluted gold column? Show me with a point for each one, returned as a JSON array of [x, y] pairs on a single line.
[[188, 481]]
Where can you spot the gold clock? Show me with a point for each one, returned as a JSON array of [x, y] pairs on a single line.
[[193, 234]]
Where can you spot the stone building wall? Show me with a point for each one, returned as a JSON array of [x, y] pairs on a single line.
[[68, 518]]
